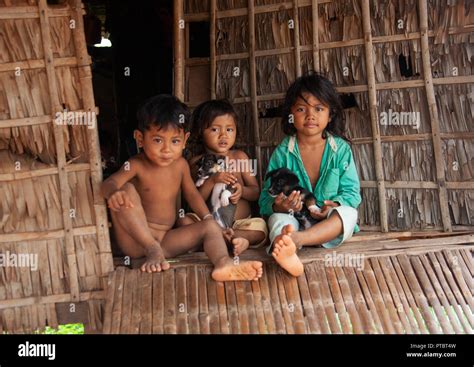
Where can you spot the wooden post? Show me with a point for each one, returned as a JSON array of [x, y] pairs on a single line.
[[315, 12], [296, 24], [369, 62], [64, 188], [434, 117], [253, 88], [212, 38], [85, 82], [178, 32]]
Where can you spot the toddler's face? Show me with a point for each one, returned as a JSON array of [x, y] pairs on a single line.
[[220, 136], [310, 117], [162, 146]]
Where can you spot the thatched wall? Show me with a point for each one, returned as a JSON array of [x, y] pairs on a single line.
[[416, 179], [49, 173]]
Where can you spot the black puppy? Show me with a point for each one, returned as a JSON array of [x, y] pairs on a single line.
[[222, 209], [284, 181]]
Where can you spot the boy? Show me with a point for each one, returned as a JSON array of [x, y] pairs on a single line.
[[142, 197]]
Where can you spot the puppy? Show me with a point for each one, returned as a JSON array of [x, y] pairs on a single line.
[[284, 181], [219, 203]]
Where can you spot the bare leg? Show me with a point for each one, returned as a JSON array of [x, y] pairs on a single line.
[[180, 240], [320, 233], [134, 236], [184, 221]]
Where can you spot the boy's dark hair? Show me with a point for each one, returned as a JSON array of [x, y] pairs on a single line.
[[321, 88], [163, 111], [206, 112]]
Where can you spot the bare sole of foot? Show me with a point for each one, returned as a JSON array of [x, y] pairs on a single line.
[[284, 253], [245, 270], [155, 262], [240, 244]]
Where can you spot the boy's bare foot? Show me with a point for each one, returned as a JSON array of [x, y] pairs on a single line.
[[284, 252], [155, 261], [244, 270], [240, 245]]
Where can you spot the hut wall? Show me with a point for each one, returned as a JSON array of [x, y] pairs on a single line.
[[392, 56], [50, 208]]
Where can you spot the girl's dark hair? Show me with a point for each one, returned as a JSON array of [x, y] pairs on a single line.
[[206, 112], [163, 110], [321, 88]]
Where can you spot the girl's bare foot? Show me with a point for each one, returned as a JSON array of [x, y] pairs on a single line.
[[284, 252], [244, 270], [240, 245], [155, 260]]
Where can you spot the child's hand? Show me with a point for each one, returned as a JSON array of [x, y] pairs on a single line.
[[288, 204], [224, 177], [328, 204], [119, 199], [235, 197]]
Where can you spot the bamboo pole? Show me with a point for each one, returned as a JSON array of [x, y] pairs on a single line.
[[315, 14], [60, 151], [297, 51], [85, 82], [373, 115], [435, 130], [212, 38], [253, 88], [178, 33]]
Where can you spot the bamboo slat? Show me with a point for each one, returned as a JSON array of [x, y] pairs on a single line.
[[435, 129], [60, 150]]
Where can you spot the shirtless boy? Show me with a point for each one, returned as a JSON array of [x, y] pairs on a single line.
[[142, 197]]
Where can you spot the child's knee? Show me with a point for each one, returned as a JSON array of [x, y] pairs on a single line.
[[131, 191], [210, 226]]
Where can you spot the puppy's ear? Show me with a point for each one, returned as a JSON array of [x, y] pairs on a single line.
[[292, 179], [271, 174], [200, 161]]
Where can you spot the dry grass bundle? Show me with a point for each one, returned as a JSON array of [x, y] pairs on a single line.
[[232, 35], [461, 205], [344, 66], [275, 73], [456, 107], [409, 106], [33, 204], [232, 79], [387, 60], [231, 4], [413, 209], [369, 208], [408, 161], [196, 6], [272, 30], [340, 21], [389, 17], [458, 159]]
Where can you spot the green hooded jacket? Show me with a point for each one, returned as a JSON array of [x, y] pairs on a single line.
[[338, 179]]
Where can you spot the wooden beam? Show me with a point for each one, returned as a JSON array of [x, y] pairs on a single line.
[[315, 16], [253, 89], [85, 83], [296, 33], [212, 41], [179, 52], [377, 144], [434, 118], [45, 235], [15, 176], [60, 150]]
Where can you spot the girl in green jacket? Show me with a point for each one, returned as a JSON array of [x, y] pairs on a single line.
[[316, 150]]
